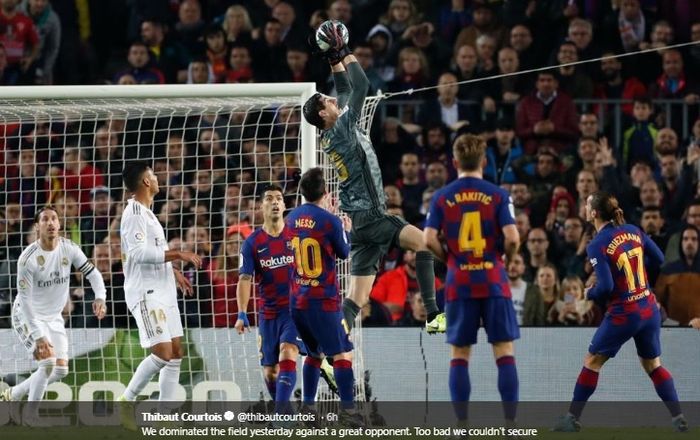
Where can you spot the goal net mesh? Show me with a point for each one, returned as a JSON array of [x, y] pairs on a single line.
[[212, 157]]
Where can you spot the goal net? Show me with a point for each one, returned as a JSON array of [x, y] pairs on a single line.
[[213, 148]]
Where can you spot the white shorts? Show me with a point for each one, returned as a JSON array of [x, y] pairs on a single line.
[[54, 331], [157, 322]]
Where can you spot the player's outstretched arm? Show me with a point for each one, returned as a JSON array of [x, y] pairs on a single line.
[[245, 284], [359, 82]]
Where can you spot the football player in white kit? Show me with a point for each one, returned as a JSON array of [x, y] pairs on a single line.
[[150, 287], [43, 279]]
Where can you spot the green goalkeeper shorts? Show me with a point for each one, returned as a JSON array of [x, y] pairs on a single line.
[[373, 233]]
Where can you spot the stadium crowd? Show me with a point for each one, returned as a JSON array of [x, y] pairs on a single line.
[[627, 125]]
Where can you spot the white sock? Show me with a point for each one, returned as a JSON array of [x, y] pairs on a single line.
[[21, 389], [169, 379], [40, 379], [143, 374]]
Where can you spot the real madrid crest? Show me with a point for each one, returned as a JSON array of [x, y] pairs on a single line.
[[40, 259], [65, 261]]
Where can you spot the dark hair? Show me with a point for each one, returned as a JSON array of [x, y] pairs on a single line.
[[652, 208], [313, 185], [270, 187], [643, 99], [42, 209], [608, 208], [133, 173], [312, 107]]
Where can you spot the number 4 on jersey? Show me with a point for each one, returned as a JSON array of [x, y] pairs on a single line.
[[470, 236]]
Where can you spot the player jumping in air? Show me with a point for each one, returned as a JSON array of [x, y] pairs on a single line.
[[318, 238], [617, 254], [43, 278], [474, 216], [361, 190], [150, 287], [267, 254]]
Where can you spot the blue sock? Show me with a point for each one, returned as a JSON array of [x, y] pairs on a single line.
[[286, 380], [342, 370], [311, 371], [663, 382], [508, 385], [460, 387], [585, 386], [271, 388]]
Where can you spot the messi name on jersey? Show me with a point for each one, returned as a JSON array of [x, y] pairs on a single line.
[[470, 196], [622, 238]]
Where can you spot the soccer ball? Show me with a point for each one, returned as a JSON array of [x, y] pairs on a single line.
[[329, 33]]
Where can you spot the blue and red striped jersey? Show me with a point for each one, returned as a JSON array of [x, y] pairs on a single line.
[[271, 260], [471, 214], [619, 255], [318, 238]]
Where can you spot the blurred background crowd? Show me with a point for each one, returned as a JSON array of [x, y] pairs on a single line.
[[628, 125]]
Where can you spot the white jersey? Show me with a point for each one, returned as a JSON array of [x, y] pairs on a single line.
[[146, 274], [43, 279]]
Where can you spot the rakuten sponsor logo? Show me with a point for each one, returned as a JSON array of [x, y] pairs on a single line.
[[275, 262]]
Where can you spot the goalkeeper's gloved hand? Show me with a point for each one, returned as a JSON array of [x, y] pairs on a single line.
[[333, 32], [243, 316]]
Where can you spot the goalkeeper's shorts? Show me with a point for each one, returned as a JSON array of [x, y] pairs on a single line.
[[374, 232]]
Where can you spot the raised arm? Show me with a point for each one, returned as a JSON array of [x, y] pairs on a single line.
[[359, 81]]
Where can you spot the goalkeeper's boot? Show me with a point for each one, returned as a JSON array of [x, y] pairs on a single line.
[[328, 375], [567, 423], [679, 423], [437, 325], [126, 413]]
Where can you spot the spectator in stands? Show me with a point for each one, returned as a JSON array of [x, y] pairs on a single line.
[[573, 81], [400, 15], [240, 65], [484, 23], [299, 66], [546, 116], [365, 56], [421, 36], [589, 126], [78, 177], [231, 211], [626, 28], [436, 176], [679, 281], [223, 272], [8, 77], [190, 26], [562, 207], [237, 25], [292, 32], [94, 223], [341, 10], [666, 142], [521, 40], [675, 84], [445, 108], [660, 37], [571, 254], [508, 90], [537, 247], [453, 17], [522, 224], [48, 27], [571, 306], [674, 242], [693, 53], [416, 314], [485, 53], [614, 86], [382, 40], [503, 150], [393, 196], [217, 51], [541, 181], [165, 53], [199, 71], [412, 70], [26, 184], [6, 273], [466, 69], [269, 60], [639, 139], [21, 41], [139, 66], [580, 33], [69, 213], [410, 185], [547, 281], [529, 307]]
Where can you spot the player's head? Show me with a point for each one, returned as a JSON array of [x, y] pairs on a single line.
[[321, 111], [138, 175], [469, 152], [272, 203], [604, 207], [313, 185], [47, 222]]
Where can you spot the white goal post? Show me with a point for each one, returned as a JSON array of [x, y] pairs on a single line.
[[233, 137]]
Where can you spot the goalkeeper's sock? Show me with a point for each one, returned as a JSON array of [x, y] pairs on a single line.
[[425, 273], [169, 379], [350, 312], [585, 386], [286, 380], [460, 387], [508, 385], [342, 370], [311, 372], [143, 374], [663, 382]]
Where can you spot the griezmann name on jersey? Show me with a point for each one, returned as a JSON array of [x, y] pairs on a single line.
[[318, 239], [270, 260], [471, 213]]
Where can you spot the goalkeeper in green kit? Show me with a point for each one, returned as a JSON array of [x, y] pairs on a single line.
[[361, 190]]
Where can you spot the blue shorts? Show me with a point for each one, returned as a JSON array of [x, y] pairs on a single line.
[[322, 332], [272, 333], [465, 316], [610, 337]]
